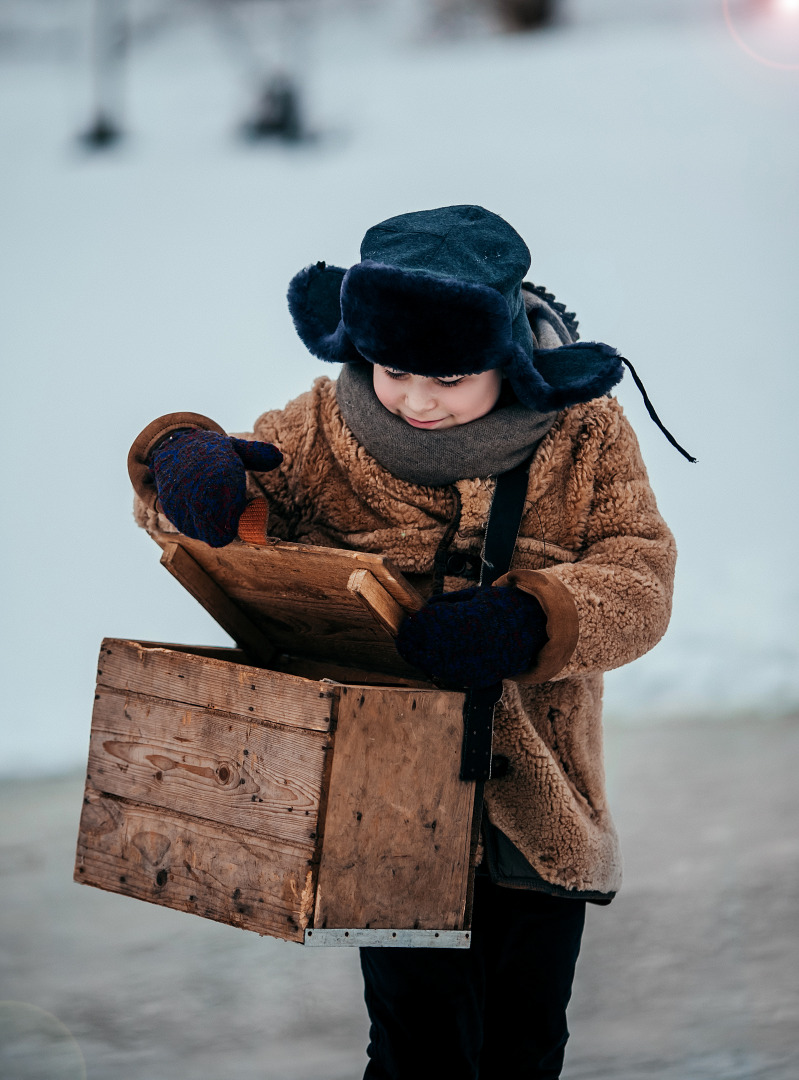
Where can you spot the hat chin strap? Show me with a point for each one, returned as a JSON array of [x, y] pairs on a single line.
[[650, 408]]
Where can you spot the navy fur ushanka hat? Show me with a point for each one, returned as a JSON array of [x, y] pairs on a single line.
[[439, 293]]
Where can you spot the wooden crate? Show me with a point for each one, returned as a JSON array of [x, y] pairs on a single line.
[[295, 806]]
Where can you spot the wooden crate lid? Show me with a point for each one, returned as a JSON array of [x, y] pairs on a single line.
[[313, 602]]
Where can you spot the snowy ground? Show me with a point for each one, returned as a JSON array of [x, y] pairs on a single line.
[[648, 159], [690, 974]]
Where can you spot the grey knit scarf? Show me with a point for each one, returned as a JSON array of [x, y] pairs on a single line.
[[485, 447]]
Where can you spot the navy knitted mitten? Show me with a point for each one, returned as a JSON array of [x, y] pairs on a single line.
[[202, 481], [474, 637]]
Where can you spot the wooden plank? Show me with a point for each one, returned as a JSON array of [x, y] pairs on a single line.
[[231, 654], [278, 558], [259, 777], [298, 596], [395, 851], [376, 600], [327, 671], [177, 861], [256, 693], [475, 843], [332, 563], [217, 603]]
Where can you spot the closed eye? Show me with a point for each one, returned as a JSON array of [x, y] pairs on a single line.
[[393, 373]]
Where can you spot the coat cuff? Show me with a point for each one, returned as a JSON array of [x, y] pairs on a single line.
[[254, 521], [146, 442], [563, 628]]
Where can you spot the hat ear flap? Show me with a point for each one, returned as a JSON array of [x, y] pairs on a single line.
[[568, 375], [314, 298]]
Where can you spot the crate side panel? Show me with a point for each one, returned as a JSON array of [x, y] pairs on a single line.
[[256, 693], [195, 866], [263, 778], [398, 821]]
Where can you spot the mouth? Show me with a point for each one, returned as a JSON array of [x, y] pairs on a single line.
[[423, 423]]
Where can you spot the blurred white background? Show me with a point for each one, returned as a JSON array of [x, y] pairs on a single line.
[[645, 149]]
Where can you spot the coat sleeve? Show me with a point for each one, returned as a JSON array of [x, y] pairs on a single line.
[[613, 603]]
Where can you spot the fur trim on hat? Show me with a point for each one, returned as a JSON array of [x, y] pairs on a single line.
[[437, 326], [314, 298], [565, 376], [441, 293], [423, 323]]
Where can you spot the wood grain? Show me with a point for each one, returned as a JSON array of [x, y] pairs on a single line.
[[259, 777], [274, 802], [382, 606], [297, 596], [231, 654], [326, 671], [170, 859], [207, 682], [217, 603], [397, 830]]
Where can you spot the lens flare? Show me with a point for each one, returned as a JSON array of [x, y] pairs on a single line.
[[35, 1044], [770, 35]]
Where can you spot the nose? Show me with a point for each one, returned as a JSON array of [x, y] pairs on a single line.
[[419, 398]]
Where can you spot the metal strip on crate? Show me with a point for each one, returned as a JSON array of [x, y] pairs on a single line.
[[415, 939]]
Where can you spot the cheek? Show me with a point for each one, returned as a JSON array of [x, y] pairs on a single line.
[[387, 391], [481, 396]]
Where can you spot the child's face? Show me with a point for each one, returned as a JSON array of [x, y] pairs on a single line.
[[437, 404]]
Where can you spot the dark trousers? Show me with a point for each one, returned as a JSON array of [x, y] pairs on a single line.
[[494, 1011]]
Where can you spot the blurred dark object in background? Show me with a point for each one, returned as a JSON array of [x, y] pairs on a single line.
[[276, 92], [524, 14], [102, 132], [267, 43], [109, 53], [277, 113], [268, 78]]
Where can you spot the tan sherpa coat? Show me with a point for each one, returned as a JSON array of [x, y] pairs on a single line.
[[592, 548]]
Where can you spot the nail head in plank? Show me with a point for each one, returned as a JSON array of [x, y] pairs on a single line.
[[190, 865], [398, 821], [209, 682]]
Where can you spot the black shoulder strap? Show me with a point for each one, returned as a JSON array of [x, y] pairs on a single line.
[[504, 520], [502, 531]]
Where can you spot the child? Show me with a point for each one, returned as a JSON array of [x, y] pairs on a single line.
[[454, 372]]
